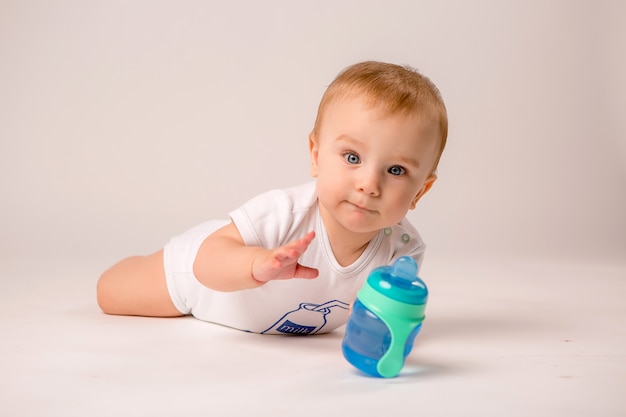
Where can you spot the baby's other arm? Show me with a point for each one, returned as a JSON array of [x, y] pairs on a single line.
[[225, 263]]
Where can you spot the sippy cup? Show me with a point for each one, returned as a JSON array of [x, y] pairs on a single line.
[[385, 319]]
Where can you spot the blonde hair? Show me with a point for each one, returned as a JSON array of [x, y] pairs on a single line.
[[398, 89]]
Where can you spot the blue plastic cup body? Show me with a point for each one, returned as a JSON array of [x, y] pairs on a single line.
[[386, 317], [367, 339]]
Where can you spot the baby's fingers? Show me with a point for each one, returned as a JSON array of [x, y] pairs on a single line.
[[282, 262], [305, 272], [294, 249], [303, 243]]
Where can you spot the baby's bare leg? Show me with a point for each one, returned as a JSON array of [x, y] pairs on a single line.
[[136, 287]]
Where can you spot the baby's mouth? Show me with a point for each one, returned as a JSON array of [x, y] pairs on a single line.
[[360, 207]]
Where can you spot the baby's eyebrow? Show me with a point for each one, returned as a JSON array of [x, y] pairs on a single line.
[[405, 160], [349, 139]]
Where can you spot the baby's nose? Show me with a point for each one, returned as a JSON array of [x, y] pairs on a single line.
[[369, 183]]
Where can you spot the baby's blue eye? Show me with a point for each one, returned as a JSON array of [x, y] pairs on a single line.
[[396, 170], [352, 158]]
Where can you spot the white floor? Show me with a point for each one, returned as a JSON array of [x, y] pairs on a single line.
[[500, 339]]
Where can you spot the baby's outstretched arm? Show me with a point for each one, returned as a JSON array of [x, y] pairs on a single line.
[[225, 263], [136, 285]]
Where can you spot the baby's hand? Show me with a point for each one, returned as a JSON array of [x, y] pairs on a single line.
[[282, 262]]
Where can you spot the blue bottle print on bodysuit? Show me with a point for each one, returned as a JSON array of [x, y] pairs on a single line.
[[308, 318]]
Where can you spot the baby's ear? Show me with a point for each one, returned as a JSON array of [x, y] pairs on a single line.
[[313, 151], [427, 186]]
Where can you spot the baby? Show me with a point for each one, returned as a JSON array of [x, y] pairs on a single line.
[[291, 261]]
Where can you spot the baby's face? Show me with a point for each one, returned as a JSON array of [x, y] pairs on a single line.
[[371, 167]]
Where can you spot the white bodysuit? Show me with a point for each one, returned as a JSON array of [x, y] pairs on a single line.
[[294, 306]]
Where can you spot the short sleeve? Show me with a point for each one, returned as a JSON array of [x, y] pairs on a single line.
[[274, 218]]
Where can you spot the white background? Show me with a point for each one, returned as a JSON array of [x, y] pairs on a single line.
[[123, 123]]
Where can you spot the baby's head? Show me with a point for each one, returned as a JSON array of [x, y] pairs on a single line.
[[377, 140], [394, 89]]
